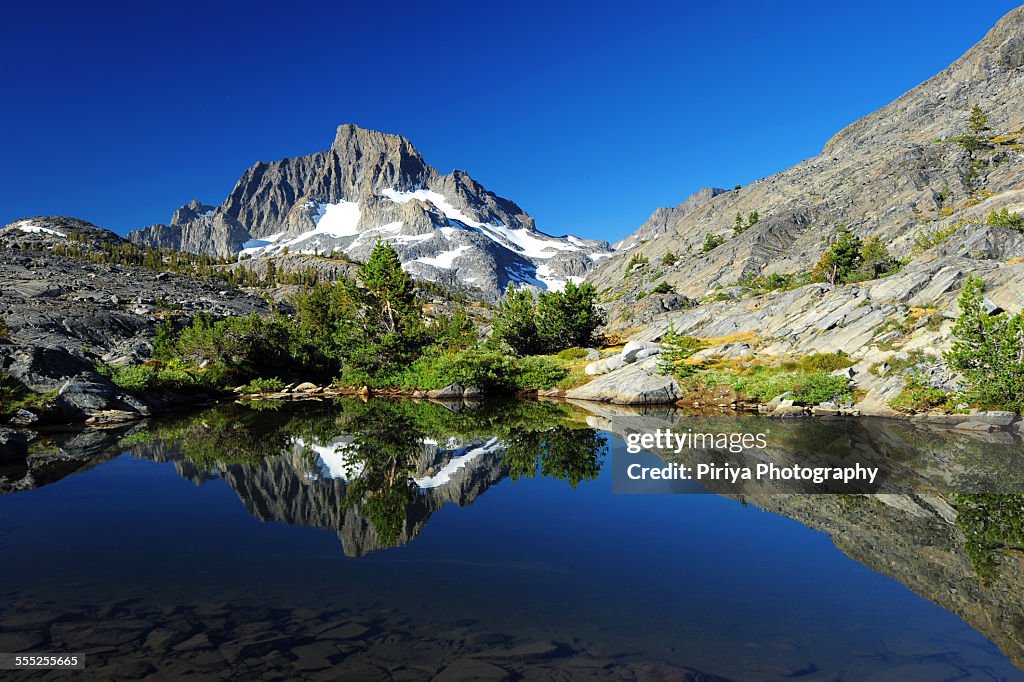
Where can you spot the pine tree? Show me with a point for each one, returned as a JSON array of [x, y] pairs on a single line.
[[515, 323], [988, 350], [841, 260], [569, 317], [390, 288], [977, 122]]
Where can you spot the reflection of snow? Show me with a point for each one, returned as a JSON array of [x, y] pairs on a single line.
[[454, 464], [335, 461]]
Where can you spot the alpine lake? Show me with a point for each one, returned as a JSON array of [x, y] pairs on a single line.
[[375, 539]]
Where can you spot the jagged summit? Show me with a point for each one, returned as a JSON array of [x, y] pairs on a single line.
[[368, 186]]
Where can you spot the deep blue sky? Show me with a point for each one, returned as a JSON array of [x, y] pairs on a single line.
[[589, 115]]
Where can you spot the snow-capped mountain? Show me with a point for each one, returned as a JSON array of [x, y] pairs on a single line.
[[371, 186]]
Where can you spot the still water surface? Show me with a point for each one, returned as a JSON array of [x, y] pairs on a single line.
[[366, 541]]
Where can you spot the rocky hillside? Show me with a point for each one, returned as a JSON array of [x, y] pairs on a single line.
[[898, 174], [905, 175], [370, 186], [64, 314]]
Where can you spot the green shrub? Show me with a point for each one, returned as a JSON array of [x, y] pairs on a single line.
[[815, 387], [926, 240], [669, 259], [663, 288], [637, 259], [263, 386], [712, 241], [1014, 221], [919, 394], [5, 331], [825, 362], [134, 378], [572, 354], [540, 372]]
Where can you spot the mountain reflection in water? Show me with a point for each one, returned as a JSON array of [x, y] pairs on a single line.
[[375, 472]]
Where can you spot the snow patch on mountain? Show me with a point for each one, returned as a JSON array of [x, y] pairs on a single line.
[[31, 228]]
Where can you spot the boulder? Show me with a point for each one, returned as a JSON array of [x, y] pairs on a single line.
[[638, 383], [777, 400], [648, 352], [449, 392], [592, 354], [472, 392], [728, 351], [604, 366], [306, 387], [631, 349], [13, 445], [996, 418], [977, 426], [88, 394]]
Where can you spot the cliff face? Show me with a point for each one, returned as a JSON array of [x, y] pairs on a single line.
[[369, 186], [895, 174]]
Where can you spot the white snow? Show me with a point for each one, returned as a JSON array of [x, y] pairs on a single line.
[[32, 228], [524, 241], [445, 259], [438, 200], [255, 246], [337, 220], [444, 474]]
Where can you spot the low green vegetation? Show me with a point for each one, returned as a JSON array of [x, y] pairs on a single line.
[[851, 259], [919, 394], [5, 331], [758, 284], [372, 331], [1004, 218], [741, 224], [761, 383], [712, 242], [808, 380], [637, 259], [669, 259], [15, 396], [663, 288]]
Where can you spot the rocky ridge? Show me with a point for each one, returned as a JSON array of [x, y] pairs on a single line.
[[369, 186], [898, 174]]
